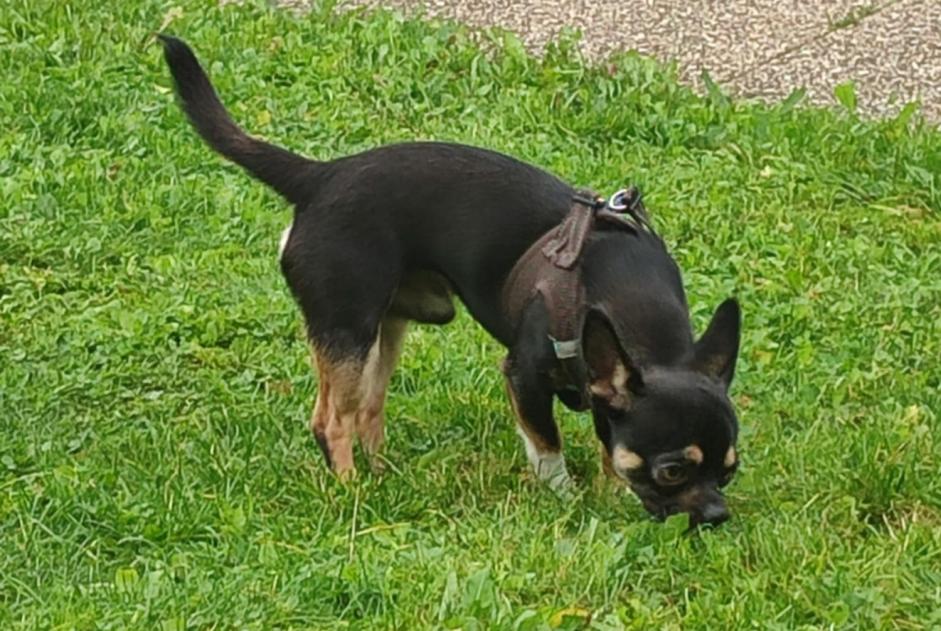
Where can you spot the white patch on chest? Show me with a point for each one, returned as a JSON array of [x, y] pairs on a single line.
[[285, 235]]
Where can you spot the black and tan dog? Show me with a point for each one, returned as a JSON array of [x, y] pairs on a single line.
[[583, 294]]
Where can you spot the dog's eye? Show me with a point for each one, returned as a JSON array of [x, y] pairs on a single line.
[[671, 474]]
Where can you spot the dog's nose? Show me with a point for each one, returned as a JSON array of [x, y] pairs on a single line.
[[713, 513]]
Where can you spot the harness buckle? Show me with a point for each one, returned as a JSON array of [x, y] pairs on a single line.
[[565, 349]]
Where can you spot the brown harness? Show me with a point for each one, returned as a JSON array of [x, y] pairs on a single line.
[[550, 268]]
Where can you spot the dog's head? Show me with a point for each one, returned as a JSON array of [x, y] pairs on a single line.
[[669, 432]]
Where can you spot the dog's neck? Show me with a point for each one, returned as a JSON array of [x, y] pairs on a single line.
[[634, 281]]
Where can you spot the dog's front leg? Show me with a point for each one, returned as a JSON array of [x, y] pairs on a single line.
[[531, 397]]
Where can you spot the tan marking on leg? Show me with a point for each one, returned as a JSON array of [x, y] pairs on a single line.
[[339, 398], [370, 423], [321, 414], [344, 399], [693, 453], [366, 412], [730, 457], [522, 426]]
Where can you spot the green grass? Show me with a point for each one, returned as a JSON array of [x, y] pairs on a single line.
[[155, 467]]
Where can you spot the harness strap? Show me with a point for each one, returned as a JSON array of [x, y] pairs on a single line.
[[564, 296], [549, 268], [568, 239]]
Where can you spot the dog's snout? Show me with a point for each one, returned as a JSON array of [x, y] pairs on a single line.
[[703, 505], [706, 506], [713, 513]]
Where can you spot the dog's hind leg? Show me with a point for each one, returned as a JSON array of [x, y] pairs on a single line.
[[370, 422], [340, 395], [344, 289], [351, 397]]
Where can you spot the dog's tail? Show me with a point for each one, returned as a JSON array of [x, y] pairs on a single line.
[[287, 173]]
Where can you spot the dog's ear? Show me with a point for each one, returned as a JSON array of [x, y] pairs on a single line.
[[611, 374], [717, 349]]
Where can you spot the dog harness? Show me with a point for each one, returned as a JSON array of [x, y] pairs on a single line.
[[550, 268]]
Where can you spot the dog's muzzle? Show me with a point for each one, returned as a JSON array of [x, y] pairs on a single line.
[[704, 505]]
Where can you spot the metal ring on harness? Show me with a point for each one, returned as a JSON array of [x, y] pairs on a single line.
[[616, 201]]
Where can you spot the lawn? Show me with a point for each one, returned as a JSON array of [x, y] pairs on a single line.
[[156, 471]]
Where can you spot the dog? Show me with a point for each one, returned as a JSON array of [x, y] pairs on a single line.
[[582, 293]]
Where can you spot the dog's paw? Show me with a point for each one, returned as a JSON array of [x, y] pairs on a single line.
[[551, 470], [346, 476], [377, 464], [563, 486]]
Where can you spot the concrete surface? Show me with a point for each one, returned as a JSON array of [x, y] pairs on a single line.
[[753, 48]]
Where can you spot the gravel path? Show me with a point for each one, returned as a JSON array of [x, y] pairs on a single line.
[[754, 48]]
